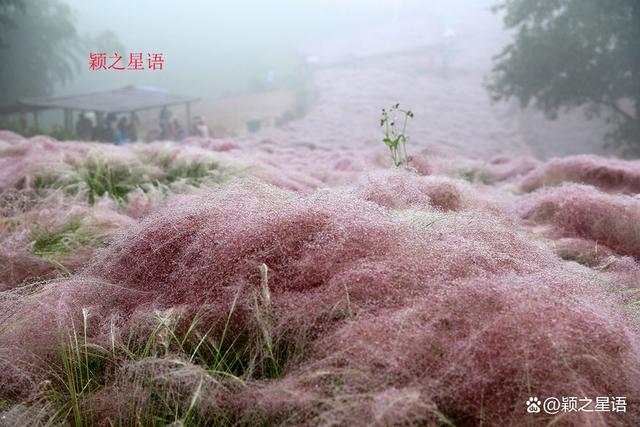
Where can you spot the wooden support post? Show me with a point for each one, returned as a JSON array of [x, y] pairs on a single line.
[[68, 118], [132, 125]]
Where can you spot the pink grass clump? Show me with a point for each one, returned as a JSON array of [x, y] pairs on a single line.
[[501, 168], [405, 316], [585, 212], [19, 267], [305, 167], [583, 251], [10, 137], [140, 203], [35, 323], [25, 218], [422, 164], [205, 248], [24, 160], [402, 189], [610, 175], [212, 144], [506, 340], [219, 237]]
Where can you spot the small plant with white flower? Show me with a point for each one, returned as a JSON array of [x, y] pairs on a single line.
[[395, 136]]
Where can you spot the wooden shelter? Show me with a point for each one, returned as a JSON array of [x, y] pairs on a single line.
[[130, 99]]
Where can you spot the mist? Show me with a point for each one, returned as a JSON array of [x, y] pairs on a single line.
[[219, 49], [213, 48]]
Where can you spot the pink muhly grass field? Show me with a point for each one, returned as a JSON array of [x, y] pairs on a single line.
[[328, 290]]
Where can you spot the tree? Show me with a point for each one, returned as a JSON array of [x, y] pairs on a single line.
[[39, 48], [8, 9], [574, 53]]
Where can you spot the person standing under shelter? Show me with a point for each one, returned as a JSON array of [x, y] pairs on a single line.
[[121, 135], [165, 123], [84, 128], [132, 128], [200, 127]]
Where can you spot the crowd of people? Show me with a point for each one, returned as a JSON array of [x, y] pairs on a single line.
[[123, 130]]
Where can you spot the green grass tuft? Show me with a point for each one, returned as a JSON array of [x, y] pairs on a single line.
[[474, 175], [228, 353], [56, 243], [196, 173], [116, 181], [96, 178]]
